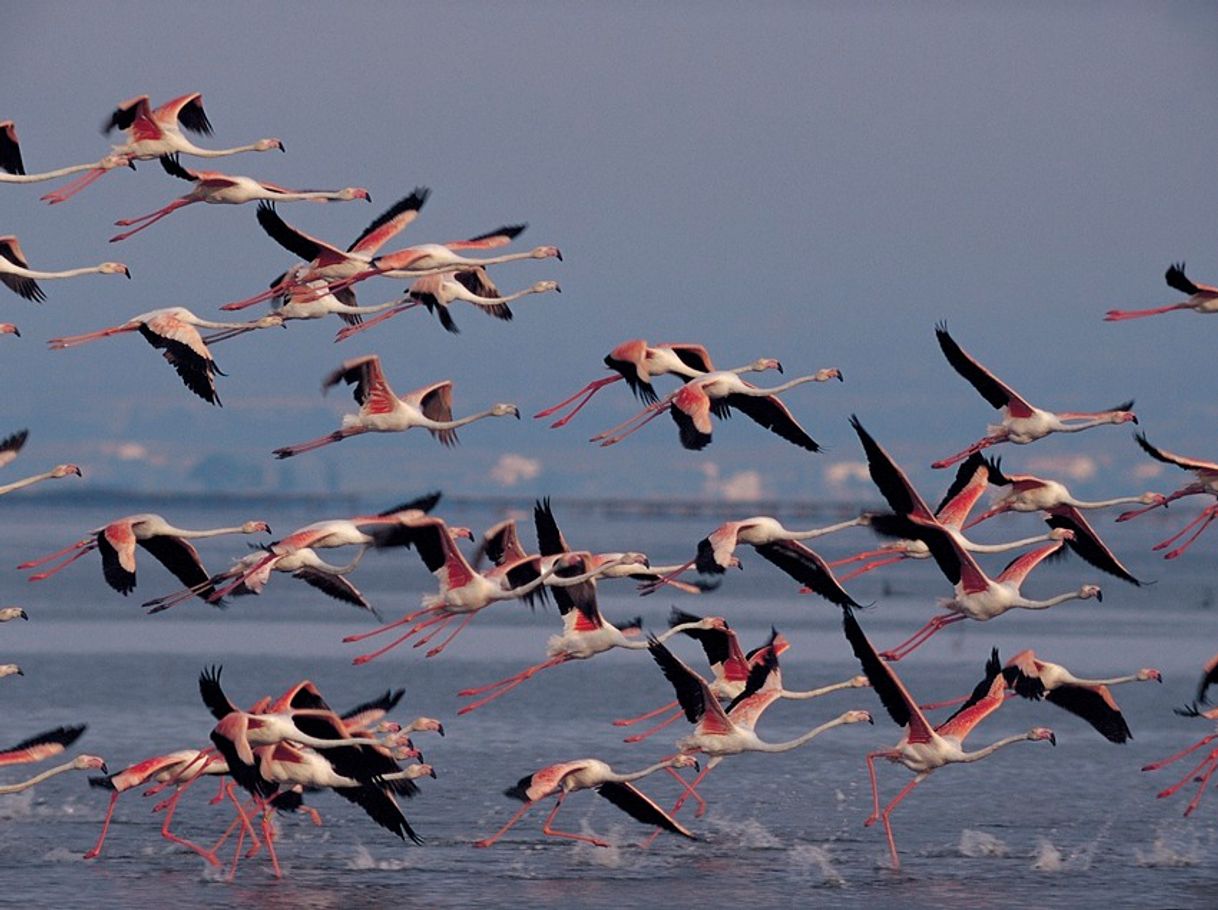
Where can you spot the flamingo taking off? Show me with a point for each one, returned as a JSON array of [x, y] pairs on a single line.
[[383, 411], [153, 132], [691, 407], [1206, 474], [175, 332], [1022, 422], [215, 188], [1202, 298], [16, 274], [592, 774], [169, 545], [14, 167], [923, 749], [976, 595]]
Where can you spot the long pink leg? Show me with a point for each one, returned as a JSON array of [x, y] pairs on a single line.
[[268, 835], [240, 579], [690, 792], [42, 560], [488, 841], [312, 444], [1163, 762], [269, 293], [457, 631], [587, 391], [149, 219], [650, 587], [72, 187], [47, 573], [172, 807], [863, 570], [397, 623], [668, 722], [951, 702], [859, 557], [887, 813], [920, 637], [875, 788], [348, 331], [506, 685], [1187, 778], [983, 443], [92, 854], [1208, 515], [436, 624], [1119, 315], [631, 721], [1179, 494], [443, 619], [614, 436], [547, 829], [1203, 782]]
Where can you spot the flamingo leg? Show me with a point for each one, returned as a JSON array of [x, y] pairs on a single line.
[[920, 637], [1204, 782], [1205, 518], [587, 391], [690, 792], [617, 434], [517, 816], [547, 828], [172, 807], [312, 444], [885, 816], [397, 623], [72, 187], [348, 331], [667, 722], [1171, 791], [101, 839], [42, 560], [631, 721], [150, 219], [47, 573], [1119, 315], [441, 618], [444, 644], [513, 680], [1163, 762], [983, 443], [650, 587], [1179, 494], [859, 557], [875, 564], [269, 293], [875, 787], [268, 834]]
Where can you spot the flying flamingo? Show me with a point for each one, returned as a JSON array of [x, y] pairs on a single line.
[[976, 596], [116, 542], [16, 274], [463, 591], [325, 261], [41, 746], [692, 404], [592, 774], [772, 542], [719, 732], [1022, 422], [79, 763], [438, 291], [215, 188], [1206, 473], [10, 161], [1202, 298], [383, 411], [585, 634], [730, 668], [175, 332], [153, 132], [10, 446], [924, 748]]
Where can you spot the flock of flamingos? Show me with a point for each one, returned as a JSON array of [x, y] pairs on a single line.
[[272, 756]]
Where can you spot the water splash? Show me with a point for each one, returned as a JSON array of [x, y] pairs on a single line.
[[980, 843], [61, 855], [606, 857], [1047, 857], [1163, 852], [809, 858], [748, 833], [363, 860]]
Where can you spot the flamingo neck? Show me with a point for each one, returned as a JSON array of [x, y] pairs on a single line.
[[1003, 547], [816, 693], [38, 778], [992, 748], [26, 482], [1051, 602], [800, 740], [820, 532], [636, 775]]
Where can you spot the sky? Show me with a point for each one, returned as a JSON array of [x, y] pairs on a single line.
[[819, 183]]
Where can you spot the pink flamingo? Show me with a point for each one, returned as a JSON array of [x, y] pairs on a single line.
[[383, 411], [592, 774], [976, 595], [11, 163], [41, 746], [1202, 298], [924, 749], [692, 404], [153, 132], [1206, 474], [79, 763], [10, 446], [215, 188], [1022, 422], [116, 542], [16, 274], [175, 332]]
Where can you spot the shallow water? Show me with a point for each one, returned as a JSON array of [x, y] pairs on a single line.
[[1080, 822]]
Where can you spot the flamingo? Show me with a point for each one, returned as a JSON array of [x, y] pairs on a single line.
[[79, 763], [692, 404], [10, 446], [175, 332], [1206, 474], [116, 542], [1202, 298], [326, 261], [11, 163], [303, 563], [8, 614], [215, 188], [437, 291], [772, 542], [585, 634], [1022, 422], [428, 257], [924, 748], [730, 668], [153, 132], [592, 774], [976, 596], [463, 591], [719, 732], [383, 411], [16, 274], [41, 746]]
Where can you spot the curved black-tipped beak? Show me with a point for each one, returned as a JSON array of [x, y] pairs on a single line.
[[127, 272], [26, 617], [516, 411], [20, 672], [1053, 739], [1134, 420], [558, 253], [1099, 595], [131, 164], [78, 473], [871, 720], [16, 331], [778, 366], [557, 289], [281, 148], [440, 729], [840, 376], [432, 775], [368, 198]]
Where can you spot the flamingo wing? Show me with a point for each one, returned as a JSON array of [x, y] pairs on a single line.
[[184, 350], [369, 386], [721, 646], [366, 714], [381, 807], [972, 478], [987, 697], [1095, 705], [116, 543], [631, 800], [500, 544], [1177, 280], [501, 236], [808, 568], [956, 563], [126, 114], [550, 541], [690, 409], [693, 694], [300, 244], [477, 281], [772, 414], [11, 445], [1087, 544], [694, 356], [181, 559], [1180, 461], [28, 288], [436, 403], [213, 696], [1209, 677], [173, 167], [577, 603], [10, 149], [188, 111], [894, 484], [992, 389], [1019, 567], [897, 701], [41, 746], [390, 222], [335, 586]]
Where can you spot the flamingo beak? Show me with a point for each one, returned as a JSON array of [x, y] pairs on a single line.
[[557, 289], [840, 377], [1099, 595], [24, 616], [440, 729], [77, 472], [367, 197], [1053, 739], [558, 253], [127, 272], [131, 163]]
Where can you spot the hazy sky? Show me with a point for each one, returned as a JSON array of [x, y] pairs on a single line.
[[816, 183]]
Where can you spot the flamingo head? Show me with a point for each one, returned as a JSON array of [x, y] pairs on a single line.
[[717, 623], [1150, 673], [90, 763], [781, 644], [12, 613], [265, 145], [546, 252], [857, 717], [544, 287], [10, 670], [114, 268], [7, 328], [829, 373], [1036, 734], [387, 726], [63, 470], [765, 364], [1153, 499], [354, 192], [1124, 414], [503, 410], [459, 532], [1086, 592], [859, 682], [1061, 534], [684, 760], [255, 527], [420, 770], [427, 725], [633, 559]]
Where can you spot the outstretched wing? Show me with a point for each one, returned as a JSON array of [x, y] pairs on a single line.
[[992, 389]]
